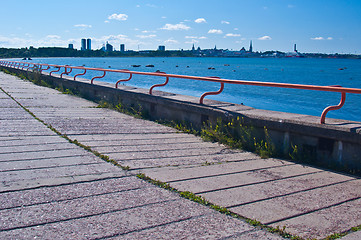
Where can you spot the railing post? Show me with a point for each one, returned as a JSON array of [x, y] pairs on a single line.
[[331, 108], [55, 70], [159, 85], [66, 71], [41, 70], [124, 80], [80, 74], [212, 93], [92, 80]]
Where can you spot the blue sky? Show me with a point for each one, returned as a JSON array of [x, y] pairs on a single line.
[[327, 26]]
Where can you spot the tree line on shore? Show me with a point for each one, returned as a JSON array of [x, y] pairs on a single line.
[[69, 52]]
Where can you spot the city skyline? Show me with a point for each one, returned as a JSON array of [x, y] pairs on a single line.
[[315, 26]]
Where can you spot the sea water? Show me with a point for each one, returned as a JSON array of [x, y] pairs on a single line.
[[323, 72]]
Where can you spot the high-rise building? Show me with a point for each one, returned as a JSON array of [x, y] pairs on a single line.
[[295, 48], [88, 44], [161, 48], [71, 46], [108, 47], [83, 44], [250, 47], [122, 47]]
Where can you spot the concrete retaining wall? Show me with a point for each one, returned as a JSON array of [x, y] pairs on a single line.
[[336, 144]]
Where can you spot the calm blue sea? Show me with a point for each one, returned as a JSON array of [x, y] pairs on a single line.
[[286, 70]]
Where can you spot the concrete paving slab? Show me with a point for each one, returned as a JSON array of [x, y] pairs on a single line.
[[7, 103], [113, 223], [13, 123], [135, 137], [40, 214], [18, 156], [353, 236], [156, 147], [144, 155], [64, 192], [29, 141], [178, 174], [294, 204], [47, 163], [199, 159], [197, 228], [123, 143], [37, 148], [232, 181], [263, 190], [118, 131], [53, 172], [325, 222], [54, 181], [29, 133]]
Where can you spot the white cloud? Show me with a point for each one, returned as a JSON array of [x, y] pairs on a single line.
[[146, 31], [151, 5], [53, 36], [47, 41], [265, 38], [317, 38], [225, 22], [215, 31], [164, 17], [322, 38], [290, 6], [82, 26], [179, 26], [200, 20], [119, 17], [236, 29], [137, 6], [115, 40], [171, 41], [232, 35], [106, 21], [194, 37], [192, 42], [115, 37], [146, 36]]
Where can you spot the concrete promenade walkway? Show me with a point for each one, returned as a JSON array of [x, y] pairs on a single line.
[[53, 189]]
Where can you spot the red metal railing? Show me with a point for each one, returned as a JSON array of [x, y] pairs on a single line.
[[38, 66]]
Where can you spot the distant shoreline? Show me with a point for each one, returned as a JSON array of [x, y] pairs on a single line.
[[68, 52]]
